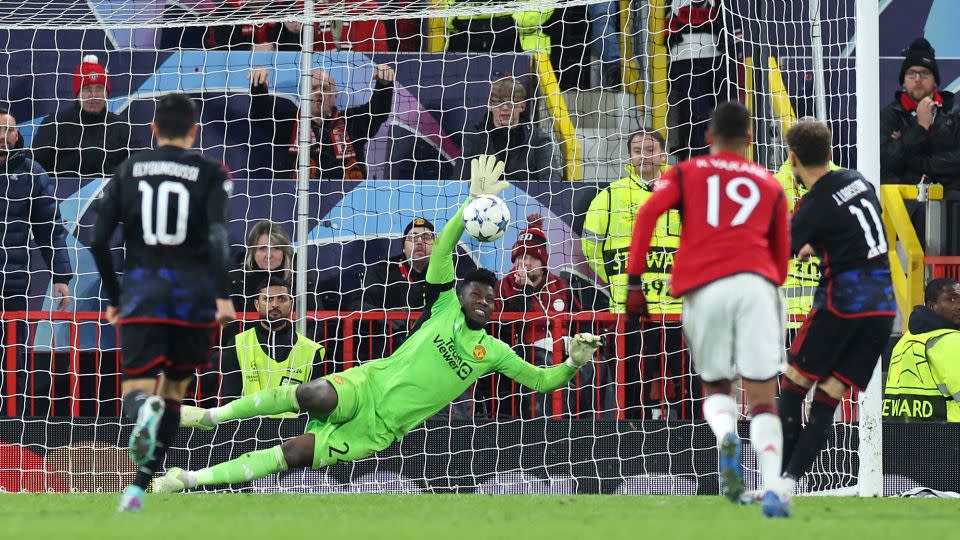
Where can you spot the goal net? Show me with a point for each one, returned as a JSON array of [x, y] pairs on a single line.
[[405, 93]]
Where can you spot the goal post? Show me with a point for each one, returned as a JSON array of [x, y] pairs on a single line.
[[629, 425]]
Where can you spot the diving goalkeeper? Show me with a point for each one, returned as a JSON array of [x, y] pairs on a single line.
[[363, 410]]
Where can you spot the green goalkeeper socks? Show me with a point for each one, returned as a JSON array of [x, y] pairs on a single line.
[[245, 468], [264, 403]]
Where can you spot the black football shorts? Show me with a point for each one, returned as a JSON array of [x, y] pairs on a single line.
[[178, 351]]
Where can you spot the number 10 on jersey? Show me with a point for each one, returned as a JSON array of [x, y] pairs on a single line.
[[156, 230]]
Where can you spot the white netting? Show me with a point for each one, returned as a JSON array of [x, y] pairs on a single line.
[[578, 85]]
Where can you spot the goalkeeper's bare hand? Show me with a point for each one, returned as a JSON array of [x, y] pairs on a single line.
[[582, 348], [485, 172]]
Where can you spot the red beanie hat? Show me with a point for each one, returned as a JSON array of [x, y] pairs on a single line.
[[89, 72], [532, 241]]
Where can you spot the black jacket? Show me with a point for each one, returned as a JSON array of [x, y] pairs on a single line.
[[393, 284], [924, 319], [278, 117], [28, 206], [76, 143], [917, 152], [410, 157], [527, 153]]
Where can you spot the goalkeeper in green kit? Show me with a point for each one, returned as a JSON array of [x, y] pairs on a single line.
[[363, 410]]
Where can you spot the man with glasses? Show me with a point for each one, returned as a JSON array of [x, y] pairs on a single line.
[[397, 282], [920, 130], [527, 153]]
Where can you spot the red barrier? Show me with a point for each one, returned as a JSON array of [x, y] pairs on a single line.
[[348, 339]]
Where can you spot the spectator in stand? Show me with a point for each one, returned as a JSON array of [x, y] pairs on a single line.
[[269, 253], [606, 41], [86, 139], [520, 31], [920, 130], [531, 288], [527, 153], [607, 235], [398, 282], [29, 209], [339, 137], [699, 75], [271, 353], [923, 381]]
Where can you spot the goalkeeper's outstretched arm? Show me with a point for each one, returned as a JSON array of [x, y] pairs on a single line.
[[440, 270], [485, 174], [582, 348]]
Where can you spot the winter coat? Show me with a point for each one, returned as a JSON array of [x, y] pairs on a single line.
[[935, 153], [553, 297], [527, 153], [28, 207], [76, 143]]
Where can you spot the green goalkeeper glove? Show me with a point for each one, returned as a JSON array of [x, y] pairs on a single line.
[[582, 348], [485, 172]]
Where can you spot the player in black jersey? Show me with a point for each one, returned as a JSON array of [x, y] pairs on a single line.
[[172, 203], [853, 309]]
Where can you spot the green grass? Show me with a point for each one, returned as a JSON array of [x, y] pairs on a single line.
[[454, 517]]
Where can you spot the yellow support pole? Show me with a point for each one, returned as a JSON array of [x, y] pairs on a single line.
[[659, 66], [780, 98], [566, 133], [750, 104], [437, 31], [907, 282], [631, 73]]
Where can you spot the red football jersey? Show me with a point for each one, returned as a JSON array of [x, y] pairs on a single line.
[[734, 221]]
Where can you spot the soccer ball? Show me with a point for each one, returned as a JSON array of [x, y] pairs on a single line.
[[486, 218]]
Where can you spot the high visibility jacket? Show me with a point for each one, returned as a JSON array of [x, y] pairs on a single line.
[[923, 382], [261, 372], [608, 232], [802, 277]]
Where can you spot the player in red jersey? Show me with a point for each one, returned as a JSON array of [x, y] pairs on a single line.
[[733, 255]]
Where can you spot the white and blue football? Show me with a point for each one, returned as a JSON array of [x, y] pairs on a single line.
[[486, 218]]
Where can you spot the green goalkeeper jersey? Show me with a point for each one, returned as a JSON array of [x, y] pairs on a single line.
[[442, 357]]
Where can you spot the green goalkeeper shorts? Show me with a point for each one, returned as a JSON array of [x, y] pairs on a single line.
[[353, 430]]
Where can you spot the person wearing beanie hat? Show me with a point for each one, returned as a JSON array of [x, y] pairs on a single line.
[[920, 130], [531, 288], [398, 282], [85, 139]]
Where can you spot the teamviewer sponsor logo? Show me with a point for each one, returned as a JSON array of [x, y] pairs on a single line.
[[448, 350]]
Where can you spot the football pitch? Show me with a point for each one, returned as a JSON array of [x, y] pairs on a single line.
[[420, 517]]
